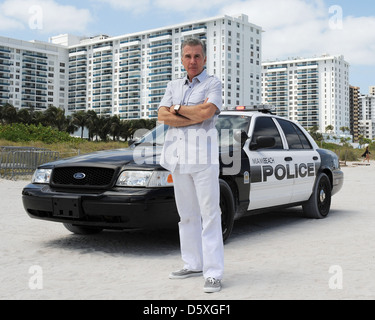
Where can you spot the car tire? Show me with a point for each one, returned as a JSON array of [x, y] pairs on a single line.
[[82, 230], [227, 207], [319, 204]]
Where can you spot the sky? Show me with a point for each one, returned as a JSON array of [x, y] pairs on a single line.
[[292, 28]]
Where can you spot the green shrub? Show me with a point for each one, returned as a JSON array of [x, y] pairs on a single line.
[[348, 155], [19, 132]]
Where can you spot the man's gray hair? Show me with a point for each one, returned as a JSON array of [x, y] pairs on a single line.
[[193, 42]]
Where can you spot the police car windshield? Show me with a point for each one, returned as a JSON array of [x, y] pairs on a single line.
[[155, 137], [227, 125]]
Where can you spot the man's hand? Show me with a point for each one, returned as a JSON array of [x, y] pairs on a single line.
[[200, 112], [169, 116]]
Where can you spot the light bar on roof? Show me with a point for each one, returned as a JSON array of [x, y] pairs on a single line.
[[259, 107]]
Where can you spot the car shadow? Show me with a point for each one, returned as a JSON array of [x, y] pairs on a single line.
[[129, 242], [166, 241], [253, 226]]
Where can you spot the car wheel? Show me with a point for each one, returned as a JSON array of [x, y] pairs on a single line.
[[82, 230], [227, 209], [319, 203]]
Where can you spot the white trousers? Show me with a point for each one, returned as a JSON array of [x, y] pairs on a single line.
[[198, 203]]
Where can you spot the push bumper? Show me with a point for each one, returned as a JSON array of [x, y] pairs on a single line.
[[120, 208]]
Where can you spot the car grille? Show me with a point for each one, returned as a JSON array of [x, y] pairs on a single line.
[[93, 177]]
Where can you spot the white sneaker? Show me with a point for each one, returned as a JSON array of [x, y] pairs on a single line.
[[184, 273], [212, 285]]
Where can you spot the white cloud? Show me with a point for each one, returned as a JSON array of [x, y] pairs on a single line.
[[307, 28], [272, 14], [48, 16], [356, 40], [135, 6], [189, 6], [9, 23]]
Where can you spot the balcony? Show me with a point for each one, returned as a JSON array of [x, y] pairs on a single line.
[[35, 55], [161, 59], [4, 50], [165, 79], [4, 63], [156, 94], [131, 41], [169, 44], [166, 65], [164, 34], [167, 51], [158, 87], [4, 76], [159, 73]]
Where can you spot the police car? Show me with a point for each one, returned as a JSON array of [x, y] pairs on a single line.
[[267, 163]]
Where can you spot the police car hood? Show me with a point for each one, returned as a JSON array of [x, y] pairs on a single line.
[[148, 156]]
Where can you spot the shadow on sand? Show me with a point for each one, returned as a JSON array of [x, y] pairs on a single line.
[[166, 241]]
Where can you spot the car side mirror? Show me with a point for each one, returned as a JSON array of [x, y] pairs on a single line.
[[263, 142], [240, 136]]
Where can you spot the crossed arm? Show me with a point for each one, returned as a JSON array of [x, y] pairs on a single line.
[[188, 115]]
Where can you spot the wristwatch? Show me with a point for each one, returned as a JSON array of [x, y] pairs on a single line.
[[177, 108]]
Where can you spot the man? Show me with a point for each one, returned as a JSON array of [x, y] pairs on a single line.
[[190, 107]]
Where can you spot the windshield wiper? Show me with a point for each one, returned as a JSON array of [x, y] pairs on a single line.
[[147, 143]]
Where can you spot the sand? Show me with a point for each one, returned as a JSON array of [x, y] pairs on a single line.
[[279, 255]]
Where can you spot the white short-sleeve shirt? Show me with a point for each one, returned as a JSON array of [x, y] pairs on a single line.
[[193, 148]]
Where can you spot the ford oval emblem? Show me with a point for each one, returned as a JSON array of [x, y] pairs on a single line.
[[79, 176]]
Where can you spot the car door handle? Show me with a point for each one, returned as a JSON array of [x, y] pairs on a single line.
[[288, 159]]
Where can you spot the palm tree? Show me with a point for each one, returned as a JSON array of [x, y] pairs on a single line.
[[151, 123], [329, 128], [9, 113], [24, 116], [137, 125], [344, 129], [92, 124], [104, 127], [115, 127], [317, 136], [70, 127], [55, 117], [125, 129], [80, 120], [37, 117], [1, 114]]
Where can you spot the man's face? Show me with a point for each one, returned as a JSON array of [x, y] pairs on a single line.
[[193, 60]]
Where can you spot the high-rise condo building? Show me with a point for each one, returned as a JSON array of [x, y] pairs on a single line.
[[313, 91], [355, 111], [367, 122], [33, 74]]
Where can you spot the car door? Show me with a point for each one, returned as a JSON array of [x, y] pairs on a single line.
[[304, 160], [270, 185]]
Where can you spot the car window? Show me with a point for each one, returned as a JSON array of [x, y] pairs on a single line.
[[305, 142], [294, 136], [264, 126], [154, 137], [226, 125]]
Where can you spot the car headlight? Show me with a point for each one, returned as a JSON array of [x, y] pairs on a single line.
[[161, 179], [41, 176], [336, 163], [150, 179]]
